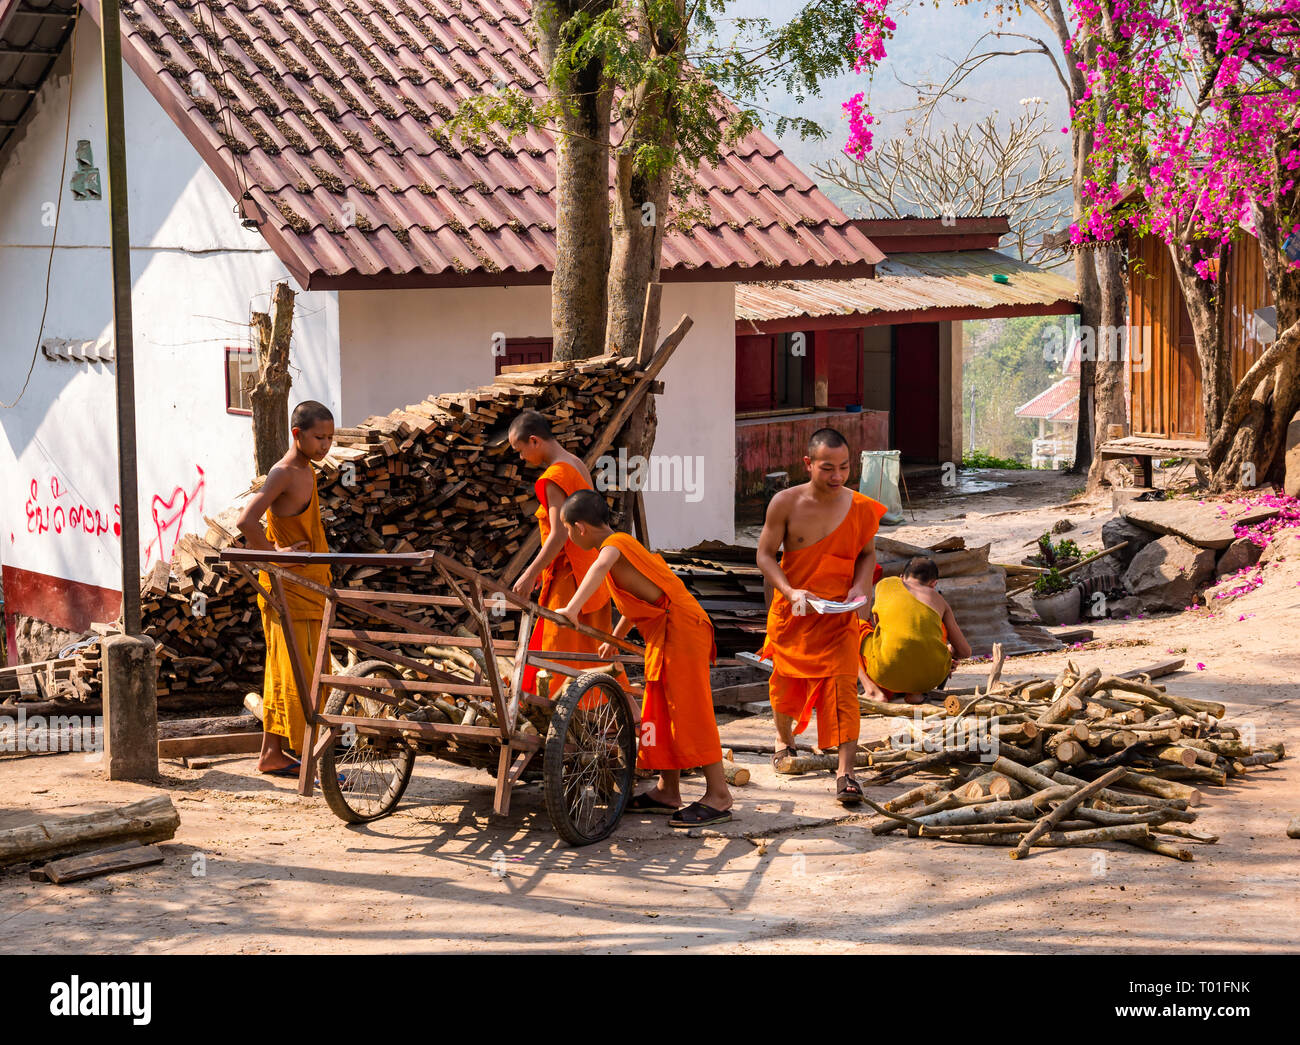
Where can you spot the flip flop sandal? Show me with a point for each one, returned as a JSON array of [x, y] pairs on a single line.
[[285, 771], [780, 755], [848, 792], [643, 803], [697, 814]]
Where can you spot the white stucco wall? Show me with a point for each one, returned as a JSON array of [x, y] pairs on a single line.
[[196, 275], [399, 346]]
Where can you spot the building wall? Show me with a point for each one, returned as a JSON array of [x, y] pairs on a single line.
[[400, 346], [771, 444], [196, 275]]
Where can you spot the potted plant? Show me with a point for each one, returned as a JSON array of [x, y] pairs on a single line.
[[1056, 599]]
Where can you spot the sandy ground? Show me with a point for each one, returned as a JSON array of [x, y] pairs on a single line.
[[255, 870]]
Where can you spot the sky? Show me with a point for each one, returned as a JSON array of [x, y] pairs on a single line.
[[927, 43]]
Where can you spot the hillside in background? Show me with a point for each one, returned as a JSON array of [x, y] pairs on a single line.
[[928, 41], [1004, 365]]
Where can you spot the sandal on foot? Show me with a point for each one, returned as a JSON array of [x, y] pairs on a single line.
[[646, 803], [847, 791], [780, 755], [697, 814], [286, 771]]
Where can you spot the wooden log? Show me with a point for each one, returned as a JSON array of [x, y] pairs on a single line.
[[737, 776], [1067, 806], [215, 744], [1199, 773], [92, 865], [1130, 833], [991, 811], [1165, 789], [1154, 845], [253, 701], [920, 794], [1179, 756], [172, 728], [797, 764], [1185, 832], [151, 820]]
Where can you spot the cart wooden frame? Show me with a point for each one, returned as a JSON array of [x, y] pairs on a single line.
[[376, 714]]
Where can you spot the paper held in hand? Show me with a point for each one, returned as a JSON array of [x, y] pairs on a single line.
[[829, 606]]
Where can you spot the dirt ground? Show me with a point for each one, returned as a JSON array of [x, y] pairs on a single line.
[[254, 869]]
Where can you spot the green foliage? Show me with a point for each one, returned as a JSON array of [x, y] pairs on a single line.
[[726, 60], [1051, 583], [1008, 362], [1057, 555], [979, 459]]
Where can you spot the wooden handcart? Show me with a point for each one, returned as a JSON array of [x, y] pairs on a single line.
[[366, 724]]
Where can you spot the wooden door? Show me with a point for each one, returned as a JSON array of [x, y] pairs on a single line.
[[843, 362], [1187, 418], [755, 375], [917, 391]]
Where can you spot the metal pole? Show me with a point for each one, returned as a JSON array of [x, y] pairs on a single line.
[[120, 250]]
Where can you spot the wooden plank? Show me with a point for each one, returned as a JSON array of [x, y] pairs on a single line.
[[356, 684], [216, 744], [92, 865]]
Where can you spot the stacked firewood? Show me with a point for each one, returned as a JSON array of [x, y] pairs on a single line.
[[1077, 760], [437, 474]]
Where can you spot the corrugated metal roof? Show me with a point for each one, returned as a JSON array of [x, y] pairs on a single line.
[[331, 113], [31, 37], [1060, 402], [909, 282]]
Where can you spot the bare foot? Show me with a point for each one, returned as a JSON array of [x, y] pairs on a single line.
[[872, 691], [915, 698]]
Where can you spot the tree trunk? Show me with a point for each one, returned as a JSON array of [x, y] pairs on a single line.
[[640, 215], [270, 395], [579, 284], [1109, 406], [1089, 313], [1250, 449]]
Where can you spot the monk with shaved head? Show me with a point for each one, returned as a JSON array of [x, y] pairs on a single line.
[[825, 533]]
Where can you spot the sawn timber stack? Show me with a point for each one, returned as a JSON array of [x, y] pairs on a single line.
[[437, 474]]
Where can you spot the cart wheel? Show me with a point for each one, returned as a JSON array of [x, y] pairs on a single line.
[[589, 766], [376, 770]]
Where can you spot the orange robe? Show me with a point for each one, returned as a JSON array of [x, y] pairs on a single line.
[[815, 657], [282, 711], [678, 729], [559, 583]]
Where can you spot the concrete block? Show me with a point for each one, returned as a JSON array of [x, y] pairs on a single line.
[[130, 708]]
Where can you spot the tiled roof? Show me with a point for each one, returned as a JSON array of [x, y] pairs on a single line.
[[1060, 402], [959, 280], [31, 37], [330, 114]]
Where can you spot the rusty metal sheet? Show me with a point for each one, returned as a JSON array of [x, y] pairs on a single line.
[[910, 282]]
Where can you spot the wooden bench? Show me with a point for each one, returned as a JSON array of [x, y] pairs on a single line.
[[1144, 448]]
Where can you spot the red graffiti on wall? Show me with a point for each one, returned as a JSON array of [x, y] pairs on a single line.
[[169, 516], [68, 516]]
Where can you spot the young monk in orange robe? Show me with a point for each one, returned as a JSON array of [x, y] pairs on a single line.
[[825, 532], [678, 729], [560, 565], [288, 500]]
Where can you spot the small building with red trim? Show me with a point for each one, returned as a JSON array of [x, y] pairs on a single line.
[[879, 359]]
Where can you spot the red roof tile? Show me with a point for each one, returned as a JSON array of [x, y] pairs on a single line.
[[330, 114], [1060, 402]]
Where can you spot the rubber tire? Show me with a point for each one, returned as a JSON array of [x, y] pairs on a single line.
[[553, 756], [329, 777]]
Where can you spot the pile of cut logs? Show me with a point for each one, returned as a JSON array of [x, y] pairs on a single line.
[[1077, 760], [437, 474]]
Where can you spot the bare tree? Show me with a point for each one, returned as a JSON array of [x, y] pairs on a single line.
[[1099, 275], [976, 169]]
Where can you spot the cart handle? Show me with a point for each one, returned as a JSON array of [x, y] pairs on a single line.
[[425, 558]]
